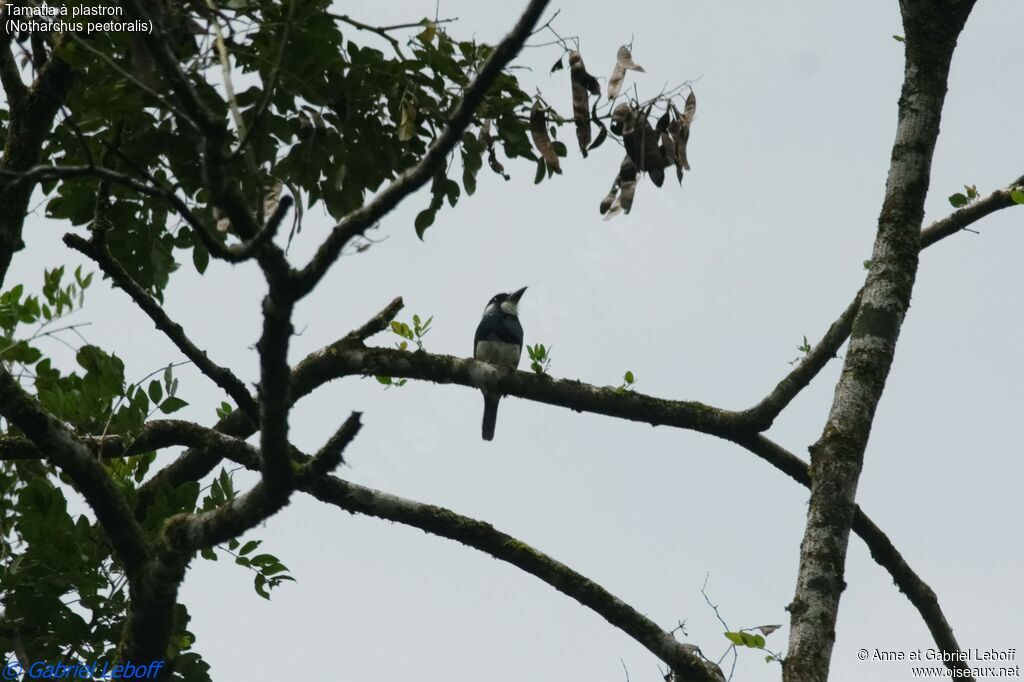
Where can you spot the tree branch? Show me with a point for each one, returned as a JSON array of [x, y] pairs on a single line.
[[969, 214], [445, 523], [332, 453], [322, 366], [347, 359], [61, 446], [837, 457], [358, 221], [881, 547], [31, 116], [97, 250], [765, 412], [10, 77]]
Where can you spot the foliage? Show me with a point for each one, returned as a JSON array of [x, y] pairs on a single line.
[[540, 358], [327, 112], [314, 106]]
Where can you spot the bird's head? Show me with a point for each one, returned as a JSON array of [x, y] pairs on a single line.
[[507, 303]]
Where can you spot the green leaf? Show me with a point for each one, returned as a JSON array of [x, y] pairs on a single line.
[[155, 391], [629, 377], [735, 637], [384, 380], [225, 483], [249, 546], [200, 257], [424, 219], [898, 38], [958, 200], [172, 404], [1017, 195]]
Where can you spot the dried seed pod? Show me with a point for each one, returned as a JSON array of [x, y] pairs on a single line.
[[682, 163], [623, 61], [662, 124], [580, 99], [651, 159], [609, 199], [679, 129], [627, 184], [690, 110], [580, 73], [641, 145], [623, 119], [539, 132], [668, 149]]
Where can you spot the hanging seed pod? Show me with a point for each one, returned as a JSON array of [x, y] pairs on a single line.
[[651, 159], [623, 119], [668, 149], [581, 82], [691, 108], [623, 61], [539, 131], [682, 135], [627, 184], [609, 199]]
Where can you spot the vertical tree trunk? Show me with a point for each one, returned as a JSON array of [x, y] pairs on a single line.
[[931, 29]]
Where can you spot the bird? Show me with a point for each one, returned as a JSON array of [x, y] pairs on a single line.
[[498, 341]]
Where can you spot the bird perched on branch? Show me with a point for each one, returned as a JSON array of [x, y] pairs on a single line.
[[499, 341]]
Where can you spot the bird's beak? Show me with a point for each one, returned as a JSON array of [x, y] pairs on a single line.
[[516, 295]]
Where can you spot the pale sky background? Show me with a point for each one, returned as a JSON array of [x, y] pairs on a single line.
[[704, 293]]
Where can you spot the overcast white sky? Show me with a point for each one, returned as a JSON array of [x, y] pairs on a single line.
[[704, 293]]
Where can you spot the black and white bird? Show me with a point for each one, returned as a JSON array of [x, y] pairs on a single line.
[[499, 341]]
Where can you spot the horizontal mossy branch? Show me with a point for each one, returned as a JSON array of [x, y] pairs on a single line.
[[347, 359]]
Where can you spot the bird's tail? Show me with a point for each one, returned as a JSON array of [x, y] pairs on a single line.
[[490, 415]]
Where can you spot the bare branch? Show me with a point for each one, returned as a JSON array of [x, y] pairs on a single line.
[[969, 214], [765, 412], [97, 250], [345, 359], [358, 221], [484, 537], [332, 453], [882, 550], [377, 323]]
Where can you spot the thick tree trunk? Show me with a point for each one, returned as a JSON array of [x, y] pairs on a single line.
[[931, 30]]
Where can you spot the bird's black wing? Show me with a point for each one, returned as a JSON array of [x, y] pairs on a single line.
[[504, 328]]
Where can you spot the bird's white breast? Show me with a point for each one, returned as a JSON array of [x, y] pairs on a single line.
[[498, 353]]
